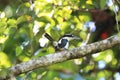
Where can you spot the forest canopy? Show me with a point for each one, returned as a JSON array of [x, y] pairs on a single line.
[[23, 24]]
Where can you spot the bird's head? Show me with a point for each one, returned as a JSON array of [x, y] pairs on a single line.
[[69, 37]]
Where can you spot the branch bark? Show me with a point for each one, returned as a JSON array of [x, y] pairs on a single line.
[[62, 56]]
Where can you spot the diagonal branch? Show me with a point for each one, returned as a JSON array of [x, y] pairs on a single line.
[[63, 56]]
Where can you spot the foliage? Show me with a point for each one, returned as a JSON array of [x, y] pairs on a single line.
[[22, 25]]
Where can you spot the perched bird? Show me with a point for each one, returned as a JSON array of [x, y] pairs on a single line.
[[62, 43], [102, 25], [104, 22]]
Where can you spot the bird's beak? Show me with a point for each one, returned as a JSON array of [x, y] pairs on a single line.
[[77, 38]]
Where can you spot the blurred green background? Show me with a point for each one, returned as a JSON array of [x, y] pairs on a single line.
[[23, 23]]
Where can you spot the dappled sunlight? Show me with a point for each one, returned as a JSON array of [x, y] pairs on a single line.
[[3, 39], [43, 41], [108, 58], [4, 60], [23, 24], [101, 64], [117, 76]]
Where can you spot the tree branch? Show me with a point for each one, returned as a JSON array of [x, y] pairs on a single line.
[[63, 56]]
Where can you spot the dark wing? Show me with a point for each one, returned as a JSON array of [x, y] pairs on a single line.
[[63, 43]]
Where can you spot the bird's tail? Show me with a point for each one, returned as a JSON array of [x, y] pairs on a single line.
[[53, 42], [48, 37]]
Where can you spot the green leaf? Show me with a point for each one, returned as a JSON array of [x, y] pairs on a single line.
[[21, 19], [102, 4], [11, 22], [46, 19], [18, 50], [8, 11]]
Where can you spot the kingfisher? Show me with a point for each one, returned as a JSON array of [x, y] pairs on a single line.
[[62, 43]]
